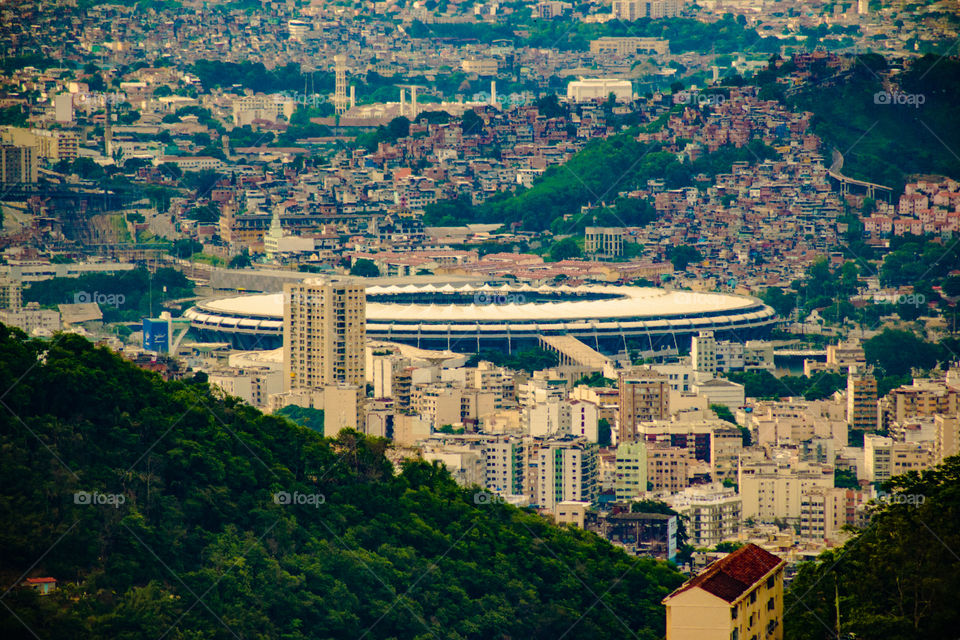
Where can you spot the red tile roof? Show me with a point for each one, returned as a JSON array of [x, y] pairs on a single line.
[[733, 575], [40, 580]]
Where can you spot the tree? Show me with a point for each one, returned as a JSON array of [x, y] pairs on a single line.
[[898, 352], [603, 432], [682, 255], [845, 479], [241, 260], [565, 249], [399, 127], [898, 577], [236, 502], [471, 123], [365, 268], [723, 412]]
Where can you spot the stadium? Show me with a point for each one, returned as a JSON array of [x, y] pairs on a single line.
[[470, 318]]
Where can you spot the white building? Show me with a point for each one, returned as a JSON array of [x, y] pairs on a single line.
[[253, 385], [588, 89], [713, 513], [772, 489], [567, 471]]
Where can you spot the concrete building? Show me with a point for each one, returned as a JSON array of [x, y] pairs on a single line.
[[714, 442], [636, 9], [862, 410], [884, 458], [505, 464], [324, 334], [721, 391], [644, 397], [32, 319], [631, 471], [825, 511], [737, 597], [921, 398], [647, 534], [947, 441], [589, 89], [269, 108], [713, 513], [48, 144], [773, 489], [603, 242], [17, 164], [668, 468], [567, 471], [63, 108], [480, 66], [703, 352], [709, 355], [11, 293], [253, 385], [628, 46]]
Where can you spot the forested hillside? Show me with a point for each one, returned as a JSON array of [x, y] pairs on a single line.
[[898, 579], [166, 512]]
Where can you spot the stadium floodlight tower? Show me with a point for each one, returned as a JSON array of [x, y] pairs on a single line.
[[340, 100]]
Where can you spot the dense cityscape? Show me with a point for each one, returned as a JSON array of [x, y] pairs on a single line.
[[480, 319]]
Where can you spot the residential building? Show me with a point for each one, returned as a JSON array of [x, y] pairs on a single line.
[[712, 512], [567, 471], [948, 437], [668, 468], [637, 9], [773, 489], [884, 458], [862, 410], [17, 164], [631, 471], [324, 333], [738, 597], [644, 397]]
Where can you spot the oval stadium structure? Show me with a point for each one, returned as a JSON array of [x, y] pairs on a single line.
[[469, 318]]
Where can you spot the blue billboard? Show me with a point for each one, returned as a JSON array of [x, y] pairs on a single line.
[[156, 335]]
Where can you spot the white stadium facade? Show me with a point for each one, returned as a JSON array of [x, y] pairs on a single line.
[[470, 317]]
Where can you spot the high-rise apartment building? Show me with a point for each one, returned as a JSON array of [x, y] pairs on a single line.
[[567, 471], [631, 465], [703, 352], [324, 334], [862, 411], [17, 164], [644, 397]]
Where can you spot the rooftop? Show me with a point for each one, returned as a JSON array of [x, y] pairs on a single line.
[[733, 575]]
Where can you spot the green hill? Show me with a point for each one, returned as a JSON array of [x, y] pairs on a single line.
[[886, 139], [897, 579], [165, 512]]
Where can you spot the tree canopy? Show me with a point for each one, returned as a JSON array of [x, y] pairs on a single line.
[[223, 522]]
